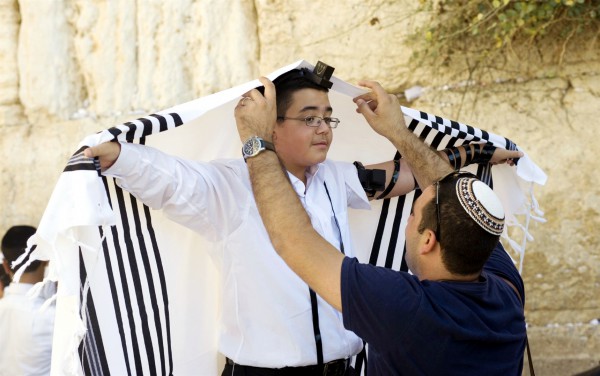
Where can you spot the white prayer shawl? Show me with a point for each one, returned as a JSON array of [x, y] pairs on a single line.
[[138, 295]]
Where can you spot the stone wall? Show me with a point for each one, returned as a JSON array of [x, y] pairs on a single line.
[[72, 67]]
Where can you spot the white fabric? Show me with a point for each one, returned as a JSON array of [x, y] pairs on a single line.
[[266, 317], [179, 334], [25, 332]]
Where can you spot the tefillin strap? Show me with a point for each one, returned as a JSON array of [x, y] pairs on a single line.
[[313, 296]]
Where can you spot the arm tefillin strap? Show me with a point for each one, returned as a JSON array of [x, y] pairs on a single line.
[[394, 179], [484, 154], [474, 153], [372, 180]]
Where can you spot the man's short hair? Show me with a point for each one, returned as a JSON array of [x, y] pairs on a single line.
[[290, 82], [14, 244], [466, 245]]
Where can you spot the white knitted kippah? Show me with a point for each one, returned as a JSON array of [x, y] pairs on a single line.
[[481, 203]]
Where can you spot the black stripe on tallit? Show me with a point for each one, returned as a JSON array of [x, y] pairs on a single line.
[[78, 162], [413, 125], [379, 233], [130, 135], [135, 277], [484, 173], [163, 285], [147, 124], [80, 167], [115, 132], [139, 289], [162, 122], [485, 136], [176, 119], [471, 131], [111, 279], [391, 251], [437, 140], [91, 349], [403, 264]]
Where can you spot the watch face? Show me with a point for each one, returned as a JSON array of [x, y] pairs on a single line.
[[251, 147]]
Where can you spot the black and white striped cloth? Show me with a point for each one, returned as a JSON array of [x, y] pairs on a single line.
[[138, 295]]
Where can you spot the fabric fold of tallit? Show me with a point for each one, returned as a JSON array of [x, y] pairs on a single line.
[[137, 294]]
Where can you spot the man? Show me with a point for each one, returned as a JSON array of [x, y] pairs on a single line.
[[460, 312], [25, 329], [271, 322]]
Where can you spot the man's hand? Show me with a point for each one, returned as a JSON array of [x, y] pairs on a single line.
[[381, 110], [255, 114], [505, 156], [107, 153], [383, 113]]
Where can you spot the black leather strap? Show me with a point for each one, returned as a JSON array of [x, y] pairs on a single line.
[[395, 175], [316, 329], [313, 296]]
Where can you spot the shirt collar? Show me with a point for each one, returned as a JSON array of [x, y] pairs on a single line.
[[310, 173], [18, 288]]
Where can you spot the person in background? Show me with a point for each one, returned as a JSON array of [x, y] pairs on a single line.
[[4, 277], [25, 328]]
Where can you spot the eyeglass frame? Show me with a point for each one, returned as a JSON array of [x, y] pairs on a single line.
[[443, 179], [332, 120]]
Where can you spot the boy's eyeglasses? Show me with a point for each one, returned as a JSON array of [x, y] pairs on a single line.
[[315, 121]]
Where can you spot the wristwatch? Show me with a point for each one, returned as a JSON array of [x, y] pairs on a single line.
[[254, 145]]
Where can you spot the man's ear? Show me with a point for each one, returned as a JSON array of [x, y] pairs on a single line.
[[429, 241]]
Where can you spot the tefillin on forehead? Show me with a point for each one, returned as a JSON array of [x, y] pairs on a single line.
[[321, 75]]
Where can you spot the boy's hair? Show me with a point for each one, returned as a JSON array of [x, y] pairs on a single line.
[[290, 82]]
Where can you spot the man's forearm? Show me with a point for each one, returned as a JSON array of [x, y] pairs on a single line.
[[427, 166], [310, 256]]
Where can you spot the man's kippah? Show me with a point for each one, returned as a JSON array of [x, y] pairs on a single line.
[[481, 203]]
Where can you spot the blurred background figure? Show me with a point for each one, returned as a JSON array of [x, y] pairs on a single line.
[[4, 277], [25, 329]]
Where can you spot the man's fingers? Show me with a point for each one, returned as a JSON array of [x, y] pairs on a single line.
[[269, 88], [88, 153], [94, 151], [107, 152], [516, 154], [377, 90], [362, 107]]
